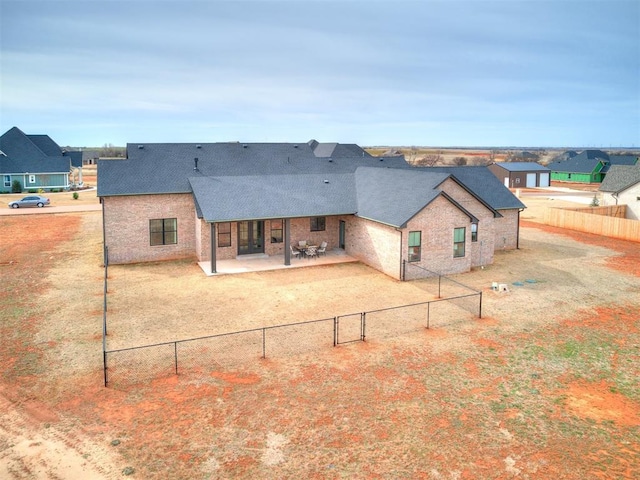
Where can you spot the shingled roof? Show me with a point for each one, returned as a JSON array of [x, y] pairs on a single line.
[[166, 167], [233, 181], [522, 166], [31, 154], [620, 177]]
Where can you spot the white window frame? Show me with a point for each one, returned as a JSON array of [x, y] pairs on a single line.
[[7, 180], [32, 178]]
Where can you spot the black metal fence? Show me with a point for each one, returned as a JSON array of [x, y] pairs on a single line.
[[198, 356]]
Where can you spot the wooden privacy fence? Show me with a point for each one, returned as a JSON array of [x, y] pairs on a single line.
[[596, 221]]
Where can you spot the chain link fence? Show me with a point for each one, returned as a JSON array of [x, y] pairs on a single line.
[[199, 356]]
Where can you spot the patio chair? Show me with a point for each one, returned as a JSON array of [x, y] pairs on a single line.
[[323, 249], [295, 253], [302, 243], [311, 252]]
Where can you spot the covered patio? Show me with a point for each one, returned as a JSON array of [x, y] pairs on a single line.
[[263, 262]]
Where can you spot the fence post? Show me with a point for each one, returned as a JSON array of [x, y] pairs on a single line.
[[175, 352], [480, 307], [363, 324], [428, 305], [335, 331], [104, 362], [404, 270]]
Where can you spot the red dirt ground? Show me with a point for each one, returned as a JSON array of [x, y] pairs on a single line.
[[376, 410]]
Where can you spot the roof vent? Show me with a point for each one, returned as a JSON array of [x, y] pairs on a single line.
[[140, 147], [244, 145], [295, 146], [195, 162], [198, 146], [326, 181], [382, 159], [331, 160]]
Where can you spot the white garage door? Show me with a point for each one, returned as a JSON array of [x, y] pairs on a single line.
[[531, 180], [544, 179]]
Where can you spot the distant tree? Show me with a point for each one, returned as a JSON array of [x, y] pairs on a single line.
[[110, 150], [413, 153], [429, 160], [460, 161]]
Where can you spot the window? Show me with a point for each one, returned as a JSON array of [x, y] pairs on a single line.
[[474, 232], [517, 180], [317, 224], [224, 234], [276, 231], [163, 231], [32, 179], [458, 241], [415, 246], [7, 180]]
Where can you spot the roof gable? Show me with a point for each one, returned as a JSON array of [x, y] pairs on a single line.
[[23, 154], [484, 184]]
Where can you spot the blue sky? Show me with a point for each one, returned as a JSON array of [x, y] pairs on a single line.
[[442, 73]]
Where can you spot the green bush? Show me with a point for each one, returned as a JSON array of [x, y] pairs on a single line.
[[32, 190], [16, 187], [75, 195]]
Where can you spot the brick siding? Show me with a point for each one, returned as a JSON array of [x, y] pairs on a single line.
[[126, 225]]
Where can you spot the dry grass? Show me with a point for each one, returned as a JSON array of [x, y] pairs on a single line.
[[544, 386]]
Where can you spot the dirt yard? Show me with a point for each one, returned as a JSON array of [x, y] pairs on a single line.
[[545, 386]]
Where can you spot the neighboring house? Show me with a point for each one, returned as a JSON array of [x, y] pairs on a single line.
[[224, 200], [521, 174], [589, 166], [36, 161], [622, 186]]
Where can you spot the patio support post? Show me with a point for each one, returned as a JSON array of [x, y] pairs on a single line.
[[287, 241], [213, 247]]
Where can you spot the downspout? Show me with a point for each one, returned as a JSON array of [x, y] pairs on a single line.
[[400, 276], [104, 234], [518, 230]]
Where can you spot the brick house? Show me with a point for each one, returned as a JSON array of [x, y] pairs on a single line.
[[225, 200]]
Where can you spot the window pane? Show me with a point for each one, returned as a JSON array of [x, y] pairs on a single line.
[[415, 239], [224, 227], [458, 235], [224, 239], [171, 224], [156, 238], [317, 224], [170, 238], [458, 250], [155, 225]]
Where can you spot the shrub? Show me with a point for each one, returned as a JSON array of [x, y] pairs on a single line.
[[75, 195], [16, 187], [595, 202], [32, 190]]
